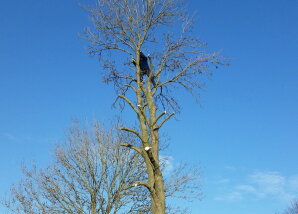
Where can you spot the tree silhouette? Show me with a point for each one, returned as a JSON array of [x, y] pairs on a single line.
[[124, 30]]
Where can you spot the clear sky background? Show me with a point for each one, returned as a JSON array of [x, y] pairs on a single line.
[[244, 135]]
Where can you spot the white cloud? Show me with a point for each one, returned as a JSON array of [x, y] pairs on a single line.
[[264, 185], [269, 182], [167, 163]]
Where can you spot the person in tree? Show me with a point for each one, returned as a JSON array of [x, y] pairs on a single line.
[[144, 66]]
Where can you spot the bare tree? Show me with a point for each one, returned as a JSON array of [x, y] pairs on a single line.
[[91, 174], [293, 209], [123, 31]]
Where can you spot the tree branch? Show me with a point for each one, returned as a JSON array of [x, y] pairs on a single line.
[[132, 147], [158, 117], [185, 69], [131, 86], [131, 131], [164, 120], [129, 102]]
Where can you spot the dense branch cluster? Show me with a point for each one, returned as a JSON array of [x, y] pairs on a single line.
[[293, 209], [123, 28]]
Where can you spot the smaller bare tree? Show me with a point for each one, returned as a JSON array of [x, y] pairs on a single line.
[[93, 174], [293, 209]]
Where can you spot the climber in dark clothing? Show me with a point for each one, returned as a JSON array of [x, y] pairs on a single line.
[[144, 66]]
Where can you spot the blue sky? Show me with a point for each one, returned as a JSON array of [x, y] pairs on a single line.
[[244, 135]]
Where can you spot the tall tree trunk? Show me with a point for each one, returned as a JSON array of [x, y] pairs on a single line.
[[158, 198], [158, 205]]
